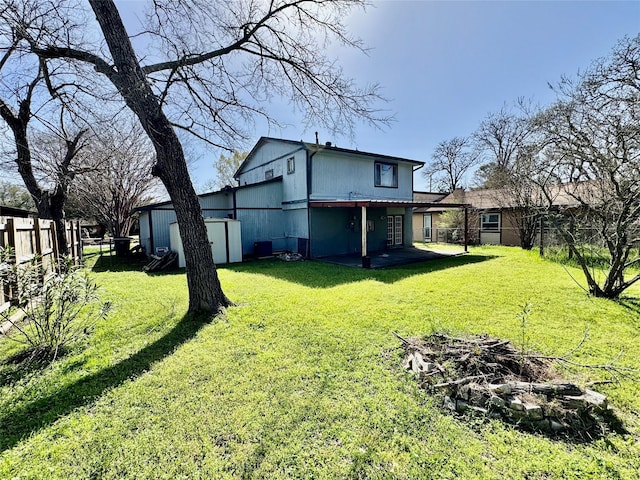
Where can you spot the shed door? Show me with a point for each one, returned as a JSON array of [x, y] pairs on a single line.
[[394, 230]]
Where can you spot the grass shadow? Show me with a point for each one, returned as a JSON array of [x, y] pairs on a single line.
[[630, 303], [18, 366], [104, 263], [111, 263], [318, 274], [18, 424]]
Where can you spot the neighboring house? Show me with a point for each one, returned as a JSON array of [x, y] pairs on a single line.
[[317, 200], [425, 220], [493, 219], [16, 212]]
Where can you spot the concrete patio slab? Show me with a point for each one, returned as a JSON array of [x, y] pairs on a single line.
[[391, 258]]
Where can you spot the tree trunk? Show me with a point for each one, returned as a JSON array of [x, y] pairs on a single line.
[[56, 208], [205, 292], [49, 206]]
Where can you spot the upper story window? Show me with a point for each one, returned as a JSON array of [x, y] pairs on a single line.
[[268, 174], [386, 175], [291, 165], [490, 221]]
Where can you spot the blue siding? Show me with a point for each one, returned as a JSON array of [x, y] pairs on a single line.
[[271, 155], [261, 216], [161, 221], [145, 235], [352, 178], [218, 205]]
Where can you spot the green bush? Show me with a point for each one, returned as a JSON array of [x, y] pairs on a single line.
[[53, 310]]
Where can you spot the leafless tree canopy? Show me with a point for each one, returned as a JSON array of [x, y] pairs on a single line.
[[593, 132], [451, 161], [226, 60], [41, 103], [118, 179], [500, 137]]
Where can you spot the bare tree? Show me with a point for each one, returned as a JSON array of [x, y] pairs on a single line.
[[522, 193], [452, 160], [594, 135], [49, 196], [500, 136], [37, 113], [120, 179], [219, 62]]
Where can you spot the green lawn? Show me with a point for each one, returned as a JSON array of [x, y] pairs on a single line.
[[302, 379]]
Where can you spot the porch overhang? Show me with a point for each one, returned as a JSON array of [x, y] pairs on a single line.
[[363, 204], [381, 204]]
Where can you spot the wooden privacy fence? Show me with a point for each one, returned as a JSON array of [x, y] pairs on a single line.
[[33, 237]]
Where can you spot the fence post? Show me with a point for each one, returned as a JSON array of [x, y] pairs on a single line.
[[76, 241], [11, 234], [38, 236], [542, 235], [54, 243], [10, 290], [466, 229]]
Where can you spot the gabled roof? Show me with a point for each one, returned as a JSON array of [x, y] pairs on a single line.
[[315, 148], [499, 199]]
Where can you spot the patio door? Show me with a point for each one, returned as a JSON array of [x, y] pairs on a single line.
[[426, 223], [395, 224]]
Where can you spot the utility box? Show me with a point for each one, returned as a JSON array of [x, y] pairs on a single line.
[[224, 236]]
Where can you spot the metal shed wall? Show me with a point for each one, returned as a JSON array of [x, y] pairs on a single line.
[[161, 219]]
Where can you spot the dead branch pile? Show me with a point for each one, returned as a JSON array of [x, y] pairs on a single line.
[[490, 376], [157, 264]]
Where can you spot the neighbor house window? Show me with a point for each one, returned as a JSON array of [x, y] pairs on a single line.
[[490, 221], [386, 175], [268, 174], [291, 165]]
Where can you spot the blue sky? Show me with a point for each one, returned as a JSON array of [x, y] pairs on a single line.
[[446, 65]]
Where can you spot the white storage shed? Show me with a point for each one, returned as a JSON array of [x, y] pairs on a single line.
[[225, 239]]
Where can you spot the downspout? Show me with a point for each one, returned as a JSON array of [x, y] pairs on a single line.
[[310, 156], [235, 206]]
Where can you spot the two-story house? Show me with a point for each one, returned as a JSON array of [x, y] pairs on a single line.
[[317, 200]]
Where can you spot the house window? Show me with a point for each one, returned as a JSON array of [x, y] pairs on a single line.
[[268, 174], [386, 175], [291, 165], [490, 222]]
